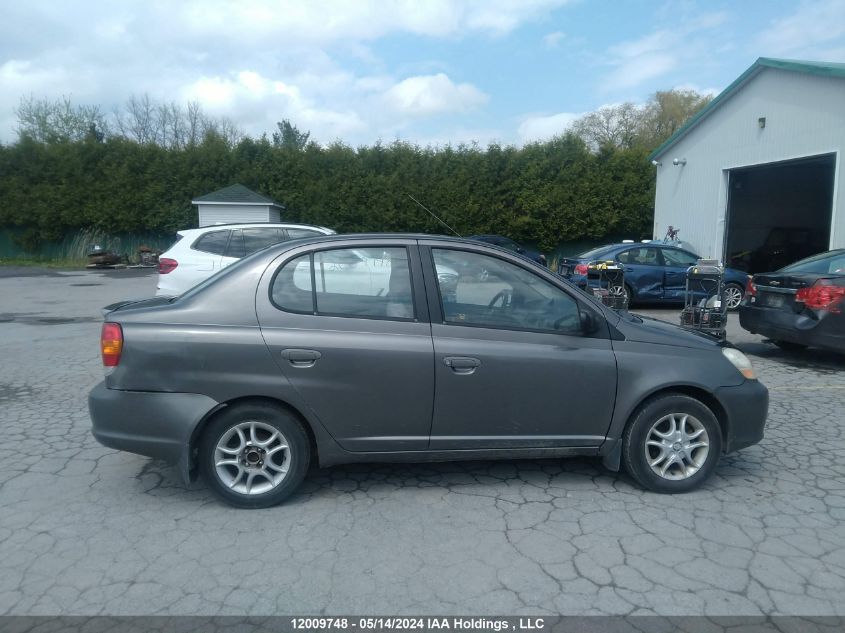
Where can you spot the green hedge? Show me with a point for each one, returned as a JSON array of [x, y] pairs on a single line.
[[544, 193]]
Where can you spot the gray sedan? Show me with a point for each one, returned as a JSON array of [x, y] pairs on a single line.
[[368, 348]]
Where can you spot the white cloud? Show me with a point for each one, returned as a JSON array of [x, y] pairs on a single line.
[[540, 128], [552, 40], [433, 94], [659, 52], [711, 92], [815, 30], [321, 21], [258, 102], [256, 62]]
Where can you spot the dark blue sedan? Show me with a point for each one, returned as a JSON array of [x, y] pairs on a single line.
[[654, 273]]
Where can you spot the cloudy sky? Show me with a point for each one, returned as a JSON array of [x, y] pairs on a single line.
[[428, 71]]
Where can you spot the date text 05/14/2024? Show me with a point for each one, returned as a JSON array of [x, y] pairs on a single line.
[[417, 624]]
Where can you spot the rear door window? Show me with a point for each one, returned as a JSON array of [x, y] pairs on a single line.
[[213, 242], [348, 282], [643, 256], [257, 238], [371, 282], [236, 245]]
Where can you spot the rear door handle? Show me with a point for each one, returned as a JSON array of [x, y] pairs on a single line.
[[462, 364], [301, 357]]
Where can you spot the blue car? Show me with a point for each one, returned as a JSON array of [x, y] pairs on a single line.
[[654, 273]]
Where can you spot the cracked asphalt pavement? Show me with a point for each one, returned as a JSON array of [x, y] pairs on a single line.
[[87, 530]]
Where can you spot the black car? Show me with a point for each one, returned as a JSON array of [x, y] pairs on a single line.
[[800, 305], [782, 246], [509, 244]]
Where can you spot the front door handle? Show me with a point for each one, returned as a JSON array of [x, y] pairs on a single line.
[[301, 357], [462, 364]]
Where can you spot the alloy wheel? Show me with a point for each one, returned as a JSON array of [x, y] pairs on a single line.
[[733, 297], [677, 446], [252, 458]]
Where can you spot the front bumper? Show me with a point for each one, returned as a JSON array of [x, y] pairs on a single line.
[[746, 406], [150, 423], [821, 329]]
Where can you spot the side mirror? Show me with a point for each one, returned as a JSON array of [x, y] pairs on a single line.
[[590, 322]]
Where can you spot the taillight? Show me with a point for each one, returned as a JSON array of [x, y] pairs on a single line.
[[111, 343], [581, 269], [166, 265], [750, 288], [822, 295]]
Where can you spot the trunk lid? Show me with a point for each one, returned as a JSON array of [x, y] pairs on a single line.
[[777, 290], [154, 302], [566, 266]]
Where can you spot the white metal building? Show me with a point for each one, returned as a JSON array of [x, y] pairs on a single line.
[[760, 166], [236, 204]]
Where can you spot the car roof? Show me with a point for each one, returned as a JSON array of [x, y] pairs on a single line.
[[640, 245], [489, 236], [250, 225]]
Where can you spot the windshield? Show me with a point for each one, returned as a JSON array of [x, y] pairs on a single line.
[[831, 262], [593, 253]]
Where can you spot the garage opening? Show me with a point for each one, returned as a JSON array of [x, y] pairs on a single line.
[[779, 213]]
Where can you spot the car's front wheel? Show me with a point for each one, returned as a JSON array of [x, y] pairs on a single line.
[[254, 455], [672, 444]]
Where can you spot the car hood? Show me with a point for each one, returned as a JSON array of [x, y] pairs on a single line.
[[643, 329]]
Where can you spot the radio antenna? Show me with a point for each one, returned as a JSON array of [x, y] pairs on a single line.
[[432, 214]]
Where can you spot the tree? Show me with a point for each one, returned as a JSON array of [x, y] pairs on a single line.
[[58, 121], [628, 125], [615, 126], [289, 136], [667, 111]]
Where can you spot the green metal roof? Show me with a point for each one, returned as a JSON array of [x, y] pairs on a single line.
[[235, 194], [824, 69]]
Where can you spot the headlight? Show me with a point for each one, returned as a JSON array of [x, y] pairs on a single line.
[[740, 361]]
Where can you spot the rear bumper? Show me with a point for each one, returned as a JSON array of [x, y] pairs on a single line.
[[154, 424], [747, 406], [800, 328]]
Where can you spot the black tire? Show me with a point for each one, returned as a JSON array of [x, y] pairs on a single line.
[[741, 295], [629, 294], [789, 346], [268, 416], [637, 432]]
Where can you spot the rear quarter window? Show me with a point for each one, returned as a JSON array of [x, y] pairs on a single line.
[[213, 242]]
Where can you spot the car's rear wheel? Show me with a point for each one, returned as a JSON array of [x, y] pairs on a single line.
[[733, 296], [254, 455], [672, 444]]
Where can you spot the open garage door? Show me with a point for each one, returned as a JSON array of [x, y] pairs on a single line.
[[779, 213]]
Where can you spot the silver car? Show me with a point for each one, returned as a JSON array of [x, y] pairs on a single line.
[[375, 348]]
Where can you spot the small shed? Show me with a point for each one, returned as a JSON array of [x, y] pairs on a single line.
[[236, 205]]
